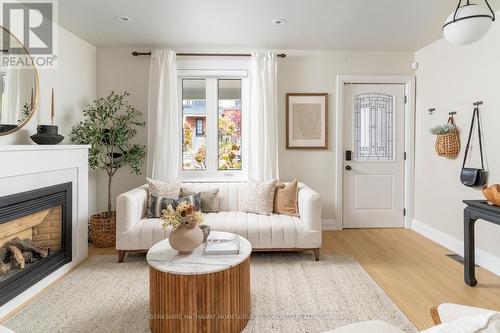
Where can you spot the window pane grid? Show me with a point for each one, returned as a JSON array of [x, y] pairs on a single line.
[[373, 127], [229, 125], [194, 118]]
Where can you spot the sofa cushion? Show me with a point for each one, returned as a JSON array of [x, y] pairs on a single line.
[[209, 199], [263, 231], [158, 204], [161, 189], [259, 197], [285, 198]]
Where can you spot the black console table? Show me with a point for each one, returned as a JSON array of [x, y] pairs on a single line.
[[476, 209]]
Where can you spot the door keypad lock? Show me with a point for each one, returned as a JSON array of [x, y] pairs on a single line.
[[348, 155]]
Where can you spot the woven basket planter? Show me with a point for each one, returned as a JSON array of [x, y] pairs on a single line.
[[448, 145], [103, 230]]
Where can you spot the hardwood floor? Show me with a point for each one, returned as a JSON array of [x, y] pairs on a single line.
[[413, 271]]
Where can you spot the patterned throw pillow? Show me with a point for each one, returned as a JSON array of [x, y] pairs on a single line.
[[162, 189], [209, 200], [158, 204], [259, 197], [285, 198]]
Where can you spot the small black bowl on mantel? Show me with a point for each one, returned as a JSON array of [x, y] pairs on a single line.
[[47, 135]]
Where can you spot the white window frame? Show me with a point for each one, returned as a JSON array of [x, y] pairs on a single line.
[[203, 69]]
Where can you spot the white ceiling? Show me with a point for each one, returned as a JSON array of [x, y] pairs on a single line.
[[384, 25]]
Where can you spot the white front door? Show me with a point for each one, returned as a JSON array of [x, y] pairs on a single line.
[[373, 156]]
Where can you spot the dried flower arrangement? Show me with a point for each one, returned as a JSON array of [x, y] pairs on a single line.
[[184, 215]]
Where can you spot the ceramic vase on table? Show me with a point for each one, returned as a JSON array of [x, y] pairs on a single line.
[[186, 239], [492, 194]]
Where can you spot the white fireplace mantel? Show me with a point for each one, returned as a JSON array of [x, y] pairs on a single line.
[[28, 167]]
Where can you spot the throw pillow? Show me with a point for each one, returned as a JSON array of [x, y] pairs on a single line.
[[259, 197], [159, 203], [285, 198], [162, 189], [209, 200], [485, 323]]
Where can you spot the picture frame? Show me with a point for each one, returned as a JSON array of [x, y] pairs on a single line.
[[306, 121]]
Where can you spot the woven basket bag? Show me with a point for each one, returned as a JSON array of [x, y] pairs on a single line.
[[448, 145]]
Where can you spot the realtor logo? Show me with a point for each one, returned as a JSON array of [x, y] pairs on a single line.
[[31, 23], [30, 33]]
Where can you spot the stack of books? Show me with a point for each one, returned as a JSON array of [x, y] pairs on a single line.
[[229, 244]]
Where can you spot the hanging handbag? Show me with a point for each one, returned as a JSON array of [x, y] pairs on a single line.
[[472, 177]]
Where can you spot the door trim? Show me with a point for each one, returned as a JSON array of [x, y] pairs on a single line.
[[409, 137]]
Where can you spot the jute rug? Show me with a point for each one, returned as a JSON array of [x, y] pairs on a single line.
[[290, 293]]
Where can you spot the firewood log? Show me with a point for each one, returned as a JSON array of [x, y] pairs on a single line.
[[28, 256], [17, 256], [27, 245], [4, 266], [5, 257]]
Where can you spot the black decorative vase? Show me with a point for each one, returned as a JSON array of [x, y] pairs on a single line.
[[7, 127], [46, 135]]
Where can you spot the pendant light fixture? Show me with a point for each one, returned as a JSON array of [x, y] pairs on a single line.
[[468, 23]]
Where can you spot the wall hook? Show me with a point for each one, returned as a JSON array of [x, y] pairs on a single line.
[[431, 111], [452, 113]]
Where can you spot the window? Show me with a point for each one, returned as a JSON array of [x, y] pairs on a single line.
[[200, 127], [193, 106], [229, 124], [213, 116]]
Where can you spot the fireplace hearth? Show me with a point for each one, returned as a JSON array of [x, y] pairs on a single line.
[[35, 237]]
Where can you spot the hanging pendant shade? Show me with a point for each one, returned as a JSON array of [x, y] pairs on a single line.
[[468, 23]]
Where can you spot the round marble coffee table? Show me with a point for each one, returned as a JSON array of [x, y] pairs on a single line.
[[197, 292]]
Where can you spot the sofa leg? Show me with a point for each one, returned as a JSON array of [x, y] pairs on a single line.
[[121, 255], [316, 254]]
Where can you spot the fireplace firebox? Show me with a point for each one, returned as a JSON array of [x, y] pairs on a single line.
[[35, 237]]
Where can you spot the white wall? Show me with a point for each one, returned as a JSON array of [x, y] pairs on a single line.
[[74, 82], [301, 71], [451, 78], [316, 71], [118, 70]]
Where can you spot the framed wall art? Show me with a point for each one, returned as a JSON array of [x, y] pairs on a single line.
[[306, 121]]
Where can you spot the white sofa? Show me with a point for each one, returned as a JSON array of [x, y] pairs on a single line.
[[442, 314], [135, 232]]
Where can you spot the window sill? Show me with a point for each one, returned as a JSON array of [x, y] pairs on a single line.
[[225, 179]]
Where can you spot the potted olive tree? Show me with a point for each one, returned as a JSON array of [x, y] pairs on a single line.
[[109, 127]]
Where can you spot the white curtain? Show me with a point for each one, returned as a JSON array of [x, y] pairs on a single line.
[[263, 127], [164, 142]]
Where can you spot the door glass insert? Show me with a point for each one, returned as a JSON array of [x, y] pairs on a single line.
[[373, 132]]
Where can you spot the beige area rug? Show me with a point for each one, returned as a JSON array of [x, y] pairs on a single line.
[[290, 293]]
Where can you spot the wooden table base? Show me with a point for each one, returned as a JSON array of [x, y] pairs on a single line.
[[215, 302]]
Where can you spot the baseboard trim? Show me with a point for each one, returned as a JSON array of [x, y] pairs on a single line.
[[483, 258], [329, 224]]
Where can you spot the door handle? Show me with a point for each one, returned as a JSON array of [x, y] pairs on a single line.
[[348, 168]]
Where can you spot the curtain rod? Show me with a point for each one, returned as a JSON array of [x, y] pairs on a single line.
[[135, 54]]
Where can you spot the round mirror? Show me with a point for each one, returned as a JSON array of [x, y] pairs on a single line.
[[18, 84]]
